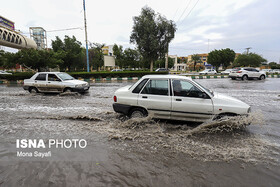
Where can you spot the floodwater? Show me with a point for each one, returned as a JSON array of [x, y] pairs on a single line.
[[139, 152]]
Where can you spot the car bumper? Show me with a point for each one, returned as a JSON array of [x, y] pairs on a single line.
[[80, 89], [120, 108]]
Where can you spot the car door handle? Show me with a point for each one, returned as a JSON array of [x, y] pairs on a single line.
[[178, 99], [144, 97]]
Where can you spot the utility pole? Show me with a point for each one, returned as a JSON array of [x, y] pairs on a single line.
[[86, 34], [248, 48]]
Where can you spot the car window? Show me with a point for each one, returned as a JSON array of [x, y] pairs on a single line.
[[138, 88], [53, 77], [41, 77], [185, 89], [65, 76], [156, 87]]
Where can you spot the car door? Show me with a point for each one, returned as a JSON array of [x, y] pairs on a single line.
[[54, 83], [189, 102], [155, 97], [40, 82], [256, 73]]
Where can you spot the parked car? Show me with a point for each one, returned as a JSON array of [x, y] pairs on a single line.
[[226, 72], [54, 82], [113, 70], [208, 72], [247, 73], [2, 72], [269, 71], [175, 97], [161, 69], [276, 71]]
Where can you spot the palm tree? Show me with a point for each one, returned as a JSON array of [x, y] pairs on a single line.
[[195, 60]]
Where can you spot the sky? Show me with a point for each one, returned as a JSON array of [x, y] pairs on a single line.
[[202, 25]]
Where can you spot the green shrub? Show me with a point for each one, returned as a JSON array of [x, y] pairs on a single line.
[[86, 75]]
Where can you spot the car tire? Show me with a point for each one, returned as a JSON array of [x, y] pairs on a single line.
[[137, 113], [67, 90], [244, 78], [262, 77], [33, 90]]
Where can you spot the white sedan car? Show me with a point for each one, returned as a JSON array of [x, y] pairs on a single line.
[[2, 72], [226, 72], [54, 82], [208, 72], [177, 98]]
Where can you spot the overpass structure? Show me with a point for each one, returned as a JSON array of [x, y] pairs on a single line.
[[13, 39]]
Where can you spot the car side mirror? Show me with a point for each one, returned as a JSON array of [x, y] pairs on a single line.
[[203, 95]]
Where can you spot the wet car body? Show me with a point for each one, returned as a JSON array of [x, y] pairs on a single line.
[[160, 96], [247, 73], [208, 72], [54, 82]]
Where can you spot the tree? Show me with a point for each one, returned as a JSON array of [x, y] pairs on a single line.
[[96, 57], [251, 59], [119, 56], [160, 63], [152, 34], [274, 65], [195, 60], [221, 57], [70, 52], [38, 59], [7, 59]]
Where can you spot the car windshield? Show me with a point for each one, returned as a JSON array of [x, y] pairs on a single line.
[[208, 90], [65, 76]]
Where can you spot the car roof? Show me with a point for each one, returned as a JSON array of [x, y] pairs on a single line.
[[52, 72], [166, 76]]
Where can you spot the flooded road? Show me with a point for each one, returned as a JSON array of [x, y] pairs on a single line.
[[139, 152]]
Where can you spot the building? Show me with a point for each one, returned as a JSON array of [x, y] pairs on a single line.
[[204, 58], [39, 35], [108, 50], [109, 59]]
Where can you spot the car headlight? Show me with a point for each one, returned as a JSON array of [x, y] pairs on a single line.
[[79, 85]]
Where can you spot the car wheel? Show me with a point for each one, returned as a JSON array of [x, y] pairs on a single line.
[[67, 90], [244, 77], [33, 90], [138, 113], [262, 77]]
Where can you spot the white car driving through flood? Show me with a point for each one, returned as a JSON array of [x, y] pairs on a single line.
[[54, 82], [177, 98]]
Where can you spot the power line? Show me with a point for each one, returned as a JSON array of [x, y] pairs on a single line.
[[191, 10], [66, 29], [184, 11]]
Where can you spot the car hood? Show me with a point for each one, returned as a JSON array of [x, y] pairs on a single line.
[[75, 81], [226, 103]]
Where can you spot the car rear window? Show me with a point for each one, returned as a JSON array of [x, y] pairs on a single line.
[[41, 77], [156, 87]]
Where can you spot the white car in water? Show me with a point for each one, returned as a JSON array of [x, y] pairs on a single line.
[[247, 73], [226, 72], [177, 98], [208, 72], [54, 82]]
